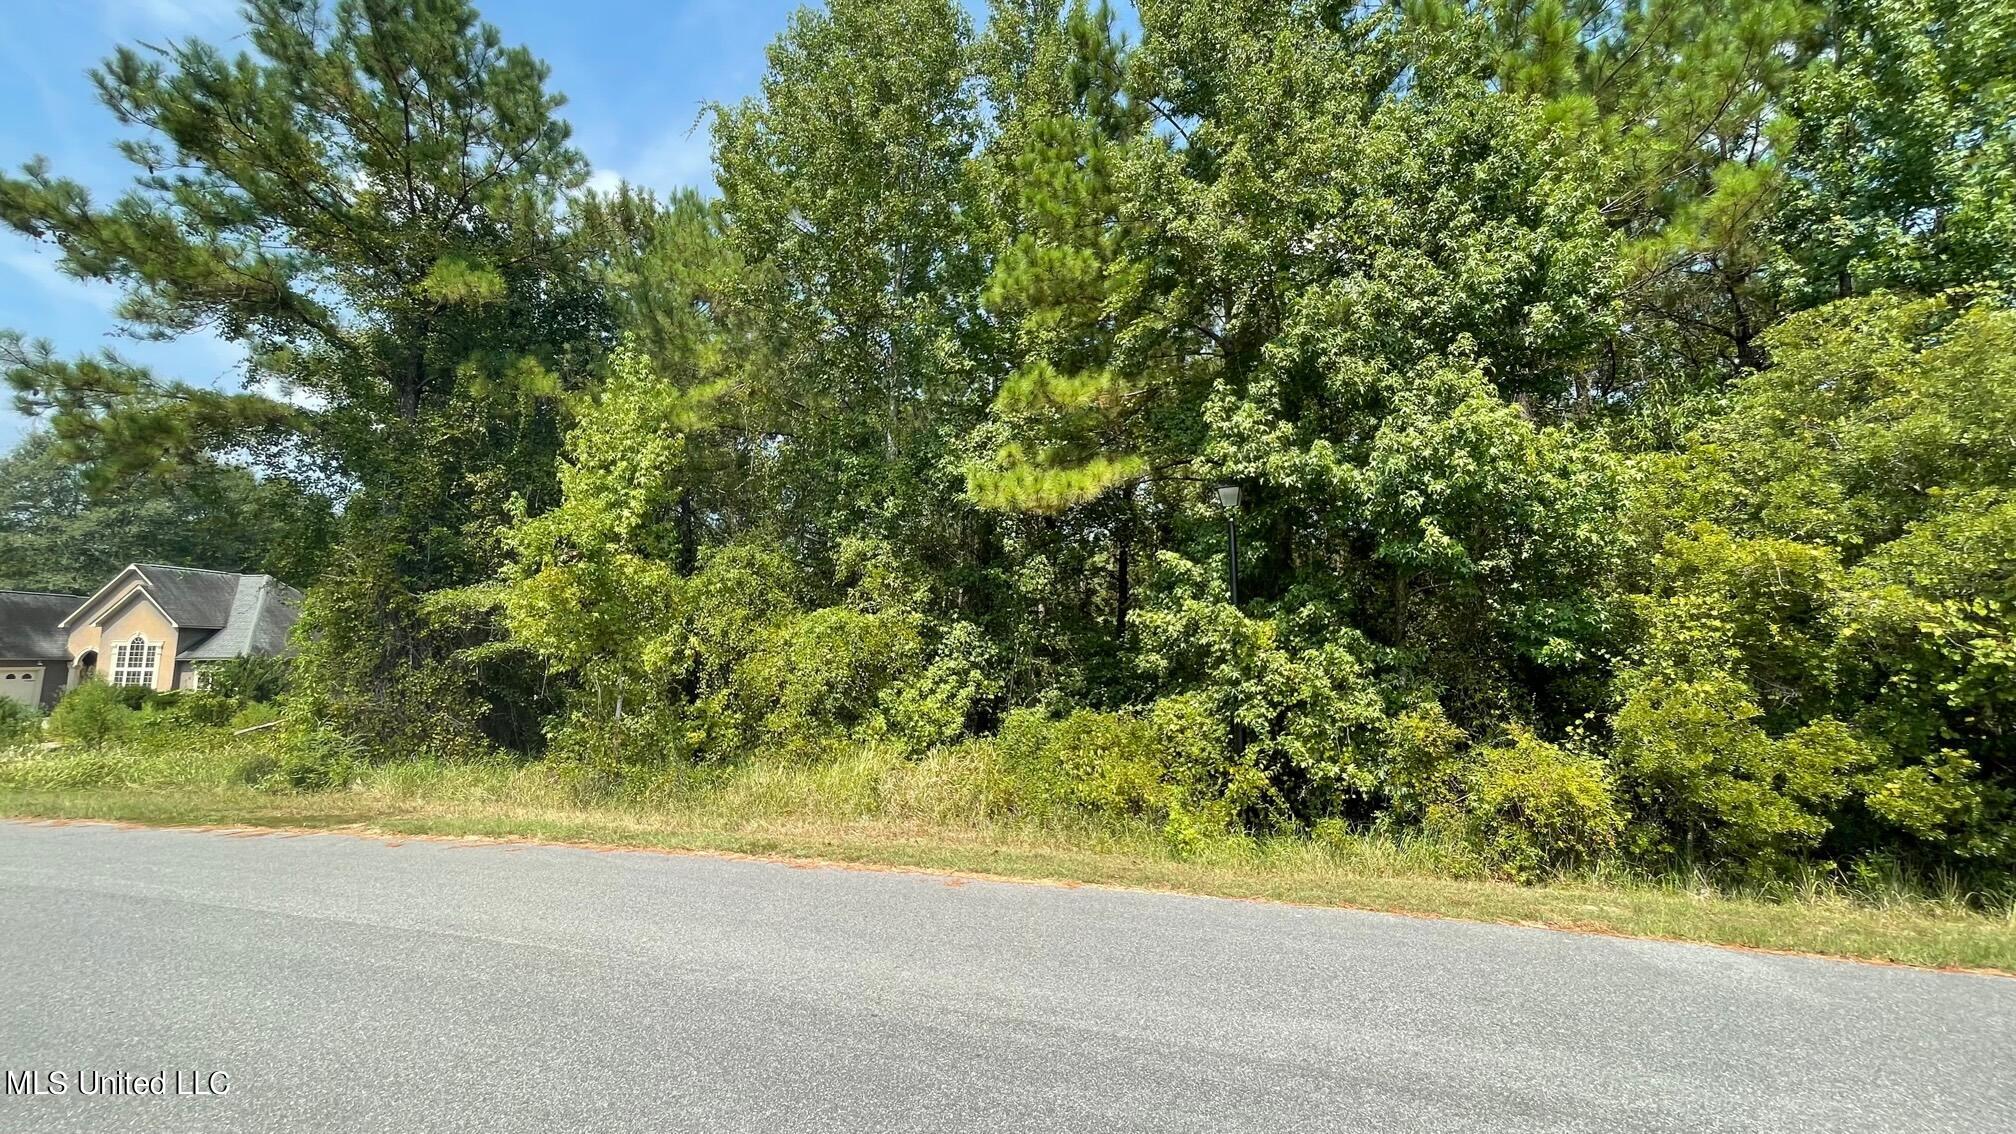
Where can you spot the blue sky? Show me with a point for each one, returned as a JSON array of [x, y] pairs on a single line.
[[635, 73]]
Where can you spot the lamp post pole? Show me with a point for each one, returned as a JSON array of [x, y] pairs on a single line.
[[1232, 555], [1228, 499]]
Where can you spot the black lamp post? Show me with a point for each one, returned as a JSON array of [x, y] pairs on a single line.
[[1228, 499]]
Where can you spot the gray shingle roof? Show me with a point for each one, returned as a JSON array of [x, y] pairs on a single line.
[[262, 612], [29, 625], [195, 599], [217, 614]]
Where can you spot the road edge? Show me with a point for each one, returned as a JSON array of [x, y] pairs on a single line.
[[365, 831]]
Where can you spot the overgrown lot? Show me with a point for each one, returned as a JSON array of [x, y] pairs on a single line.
[[1610, 406]]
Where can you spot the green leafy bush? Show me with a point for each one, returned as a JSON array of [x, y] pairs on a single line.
[[937, 705], [1535, 807], [1421, 771], [93, 714], [1105, 763], [1310, 718], [1168, 767], [137, 696], [1713, 784], [304, 758], [816, 678], [257, 677], [729, 661], [18, 722], [255, 714], [1828, 599], [202, 707], [423, 699], [649, 734]]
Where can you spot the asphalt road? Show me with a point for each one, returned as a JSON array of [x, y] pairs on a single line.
[[356, 985]]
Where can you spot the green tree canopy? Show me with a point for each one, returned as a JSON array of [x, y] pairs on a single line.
[[57, 535]]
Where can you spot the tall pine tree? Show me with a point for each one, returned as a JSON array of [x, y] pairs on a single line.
[[367, 201], [1071, 422]]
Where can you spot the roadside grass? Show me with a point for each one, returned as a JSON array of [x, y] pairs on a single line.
[[955, 813]]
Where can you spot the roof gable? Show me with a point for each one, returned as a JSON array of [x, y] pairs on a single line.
[[191, 598], [135, 595], [91, 603]]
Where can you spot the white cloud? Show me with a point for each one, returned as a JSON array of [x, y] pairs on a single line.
[[41, 271], [680, 157]]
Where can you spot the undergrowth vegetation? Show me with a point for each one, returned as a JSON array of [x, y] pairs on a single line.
[[1027, 792]]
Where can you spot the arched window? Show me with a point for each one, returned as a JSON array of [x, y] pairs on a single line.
[[133, 662]]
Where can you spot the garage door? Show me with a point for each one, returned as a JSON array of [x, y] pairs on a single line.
[[23, 685]]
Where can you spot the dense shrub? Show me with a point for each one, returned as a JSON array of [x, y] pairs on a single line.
[[136, 696], [818, 677], [380, 665], [203, 707], [1535, 807], [18, 722], [255, 714], [92, 714], [1827, 599], [1711, 783], [1308, 716], [304, 757], [941, 703], [1168, 767], [1419, 772], [1105, 763], [729, 661], [250, 678]]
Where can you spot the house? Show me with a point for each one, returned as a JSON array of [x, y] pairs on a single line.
[[34, 650], [151, 625]]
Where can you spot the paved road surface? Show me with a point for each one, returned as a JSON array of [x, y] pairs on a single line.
[[352, 985]]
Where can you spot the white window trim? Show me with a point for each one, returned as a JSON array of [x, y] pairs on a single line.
[[126, 672]]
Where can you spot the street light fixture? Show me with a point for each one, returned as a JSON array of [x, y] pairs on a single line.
[[1228, 499]]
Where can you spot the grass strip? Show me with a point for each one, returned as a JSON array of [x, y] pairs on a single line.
[[1916, 932]]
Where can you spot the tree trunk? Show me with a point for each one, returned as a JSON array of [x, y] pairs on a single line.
[[409, 388], [689, 535], [1123, 548]]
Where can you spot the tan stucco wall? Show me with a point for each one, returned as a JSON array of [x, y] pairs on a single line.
[[128, 614]]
